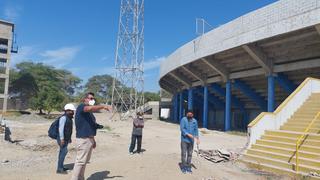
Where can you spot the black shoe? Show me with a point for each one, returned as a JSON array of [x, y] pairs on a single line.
[[66, 169], [99, 126], [62, 172]]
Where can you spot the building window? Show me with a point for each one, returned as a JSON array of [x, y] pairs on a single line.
[[2, 84], [3, 46], [3, 64]]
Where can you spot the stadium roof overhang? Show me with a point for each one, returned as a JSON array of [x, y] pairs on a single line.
[[282, 39]]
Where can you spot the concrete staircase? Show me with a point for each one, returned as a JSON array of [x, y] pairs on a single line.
[[276, 149]]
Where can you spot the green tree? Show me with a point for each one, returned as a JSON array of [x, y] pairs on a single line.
[[151, 96], [23, 86], [44, 87], [101, 85], [70, 82]]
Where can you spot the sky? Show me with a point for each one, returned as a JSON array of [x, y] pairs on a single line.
[[80, 35]]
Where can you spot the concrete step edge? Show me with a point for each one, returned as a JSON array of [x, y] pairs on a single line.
[[286, 149], [286, 155], [279, 169], [294, 139], [293, 132], [280, 161], [288, 143]]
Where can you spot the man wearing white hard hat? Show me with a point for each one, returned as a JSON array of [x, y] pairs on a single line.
[[64, 137]]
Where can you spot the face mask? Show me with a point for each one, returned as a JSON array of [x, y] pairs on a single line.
[[91, 102], [140, 117], [70, 115]]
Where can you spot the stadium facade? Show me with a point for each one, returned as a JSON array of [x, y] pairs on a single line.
[[232, 73]]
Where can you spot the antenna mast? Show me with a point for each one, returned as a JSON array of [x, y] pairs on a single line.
[[128, 83]]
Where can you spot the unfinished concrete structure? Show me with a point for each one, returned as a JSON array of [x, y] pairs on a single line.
[[6, 40], [249, 65]]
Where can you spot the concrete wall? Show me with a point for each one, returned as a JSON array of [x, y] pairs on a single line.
[[14, 104], [6, 30]]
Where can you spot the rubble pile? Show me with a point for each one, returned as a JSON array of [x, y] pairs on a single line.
[[218, 155], [315, 174]]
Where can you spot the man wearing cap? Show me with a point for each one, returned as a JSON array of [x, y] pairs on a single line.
[[64, 136]]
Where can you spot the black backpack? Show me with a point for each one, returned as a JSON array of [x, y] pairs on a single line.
[[54, 129]]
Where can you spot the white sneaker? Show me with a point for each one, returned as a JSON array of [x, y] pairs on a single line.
[[131, 153]]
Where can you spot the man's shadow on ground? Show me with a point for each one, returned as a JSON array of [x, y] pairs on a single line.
[[95, 176], [102, 175]]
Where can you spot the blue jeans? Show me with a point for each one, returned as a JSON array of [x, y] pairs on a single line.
[[133, 143], [62, 154]]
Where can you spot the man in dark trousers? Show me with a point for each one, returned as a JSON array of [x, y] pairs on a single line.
[[189, 134], [64, 137], [86, 130], [138, 125]]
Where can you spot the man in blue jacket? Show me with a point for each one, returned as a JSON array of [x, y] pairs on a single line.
[[189, 134]]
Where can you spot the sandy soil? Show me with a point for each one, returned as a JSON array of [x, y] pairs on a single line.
[[34, 155]]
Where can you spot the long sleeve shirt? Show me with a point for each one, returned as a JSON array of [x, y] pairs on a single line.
[[138, 125], [62, 122], [188, 127]]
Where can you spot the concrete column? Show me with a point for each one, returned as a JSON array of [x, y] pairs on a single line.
[[227, 122], [270, 93], [175, 108], [180, 105], [190, 99], [6, 83], [205, 107]]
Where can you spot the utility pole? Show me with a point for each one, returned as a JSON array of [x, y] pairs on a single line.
[[128, 83]]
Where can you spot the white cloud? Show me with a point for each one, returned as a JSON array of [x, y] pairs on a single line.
[[11, 13], [106, 58], [57, 58], [25, 53], [148, 65], [60, 57], [153, 63]]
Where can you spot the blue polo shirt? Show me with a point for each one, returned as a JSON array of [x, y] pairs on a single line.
[[85, 123], [188, 127]]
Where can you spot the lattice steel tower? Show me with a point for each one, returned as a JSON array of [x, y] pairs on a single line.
[[128, 84]]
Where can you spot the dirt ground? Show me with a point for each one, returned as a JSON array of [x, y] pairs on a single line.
[[34, 155]]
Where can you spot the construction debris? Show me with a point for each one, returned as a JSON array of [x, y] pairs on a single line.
[[314, 174], [210, 178], [5, 161], [217, 156]]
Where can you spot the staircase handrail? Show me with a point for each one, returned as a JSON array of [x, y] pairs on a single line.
[[302, 136]]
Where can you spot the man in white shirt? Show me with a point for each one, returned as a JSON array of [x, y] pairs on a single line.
[[64, 137]]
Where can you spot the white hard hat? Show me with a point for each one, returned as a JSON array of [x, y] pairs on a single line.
[[69, 107]]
